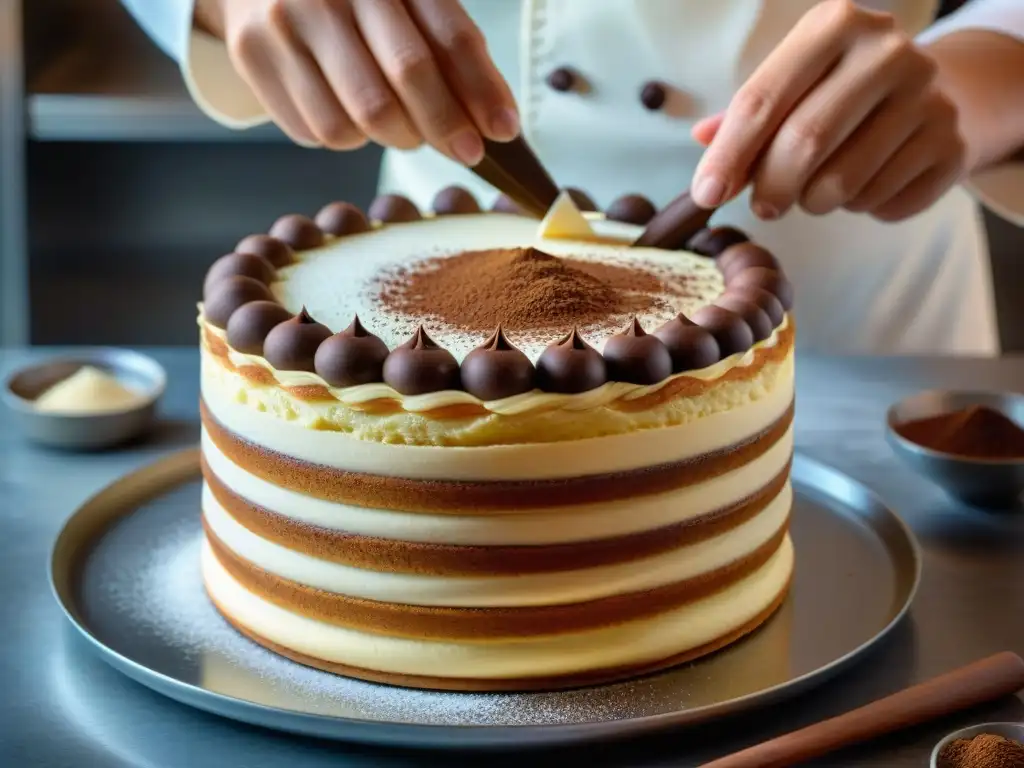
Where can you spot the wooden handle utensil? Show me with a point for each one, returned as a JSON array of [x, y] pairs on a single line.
[[675, 224], [977, 683], [513, 168]]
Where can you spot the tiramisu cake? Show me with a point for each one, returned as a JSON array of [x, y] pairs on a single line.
[[472, 450]]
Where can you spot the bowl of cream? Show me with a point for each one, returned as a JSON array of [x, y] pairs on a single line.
[[92, 399]]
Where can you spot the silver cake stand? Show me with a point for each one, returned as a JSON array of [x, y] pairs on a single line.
[[125, 570]]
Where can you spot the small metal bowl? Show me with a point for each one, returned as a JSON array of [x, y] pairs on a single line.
[[86, 431], [991, 484], [1013, 731]]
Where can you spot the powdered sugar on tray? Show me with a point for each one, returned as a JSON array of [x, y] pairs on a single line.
[[140, 593], [143, 595]]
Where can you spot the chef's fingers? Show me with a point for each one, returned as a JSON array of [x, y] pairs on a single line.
[[356, 80], [409, 65], [805, 55], [307, 86], [461, 52], [704, 130], [921, 193], [254, 56], [875, 67], [931, 144], [868, 150]]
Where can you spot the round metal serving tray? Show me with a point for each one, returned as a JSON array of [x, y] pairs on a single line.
[[125, 569]]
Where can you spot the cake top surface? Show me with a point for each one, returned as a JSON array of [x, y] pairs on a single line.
[[460, 277], [495, 304]]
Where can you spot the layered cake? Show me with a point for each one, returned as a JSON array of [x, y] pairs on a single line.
[[468, 450]]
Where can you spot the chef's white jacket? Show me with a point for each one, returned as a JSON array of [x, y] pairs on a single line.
[[922, 286]]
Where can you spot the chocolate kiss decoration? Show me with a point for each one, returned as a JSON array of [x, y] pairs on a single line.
[[453, 201], [743, 256], [766, 301], [729, 329], [250, 324], [340, 219], [245, 264], [292, 345], [277, 252], [419, 366], [690, 346], [770, 280], [637, 358], [570, 366], [300, 232], [714, 240], [229, 294], [350, 357], [631, 209], [393, 209], [505, 204], [582, 200], [755, 317], [496, 369]]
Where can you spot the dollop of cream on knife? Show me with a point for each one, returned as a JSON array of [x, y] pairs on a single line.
[[564, 221]]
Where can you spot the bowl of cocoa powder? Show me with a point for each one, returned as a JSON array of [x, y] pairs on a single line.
[[989, 745], [971, 444]]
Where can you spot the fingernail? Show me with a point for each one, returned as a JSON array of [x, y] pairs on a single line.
[[765, 211], [709, 191], [468, 147], [304, 140], [505, 125]]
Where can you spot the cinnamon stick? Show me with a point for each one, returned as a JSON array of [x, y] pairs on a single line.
[[968, 686]]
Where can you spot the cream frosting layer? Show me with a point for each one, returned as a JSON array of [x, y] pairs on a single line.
[[341, 279], [554, 525], [509, 406], [523, 461], [631, 643], [556, 588]]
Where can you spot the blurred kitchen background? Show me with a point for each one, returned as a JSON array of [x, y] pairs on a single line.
[[116, 193]]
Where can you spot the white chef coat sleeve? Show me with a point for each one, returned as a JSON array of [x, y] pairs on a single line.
[[211, 79], [1000, 188]]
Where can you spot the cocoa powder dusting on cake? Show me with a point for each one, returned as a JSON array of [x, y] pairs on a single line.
[[522, 289]]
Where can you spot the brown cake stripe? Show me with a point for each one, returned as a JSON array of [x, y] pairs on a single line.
[[473, 624], [396, 556], [458, 498], [684, 386], [495, 685]]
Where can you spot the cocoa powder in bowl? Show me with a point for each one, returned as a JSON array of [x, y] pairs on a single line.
[[521, 289], [986, 750], [977, 432]]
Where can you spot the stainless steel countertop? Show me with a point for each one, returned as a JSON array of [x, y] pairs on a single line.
[[61, 707]]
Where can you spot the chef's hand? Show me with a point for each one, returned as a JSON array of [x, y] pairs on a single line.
[[844, 113], [339, 73]]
